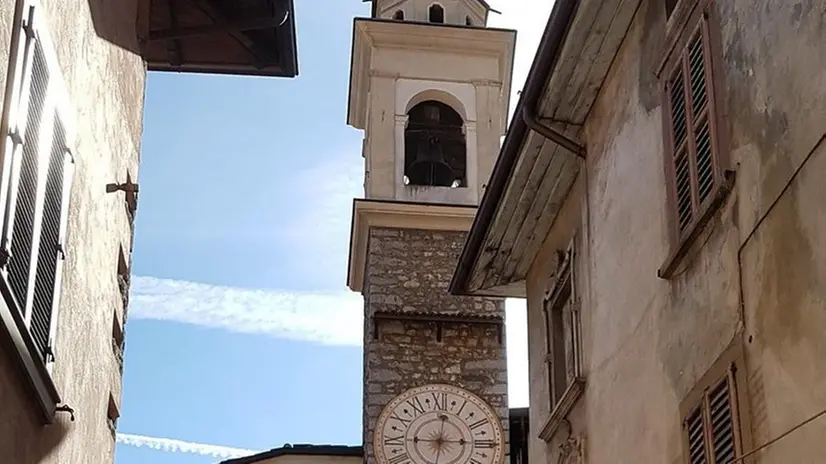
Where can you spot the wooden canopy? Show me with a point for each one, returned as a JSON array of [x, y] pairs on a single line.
[[248, 37]]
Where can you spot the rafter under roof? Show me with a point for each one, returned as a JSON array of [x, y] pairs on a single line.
[[250, 37]]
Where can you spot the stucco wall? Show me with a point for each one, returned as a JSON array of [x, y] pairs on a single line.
[[106, 82], [647, 341]]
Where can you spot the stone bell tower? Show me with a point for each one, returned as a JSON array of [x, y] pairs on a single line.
[[429, 86]]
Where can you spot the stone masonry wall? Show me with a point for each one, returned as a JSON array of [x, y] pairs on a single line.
[[409, 271]]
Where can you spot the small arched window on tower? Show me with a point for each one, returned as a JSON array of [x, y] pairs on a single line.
[[398, 15], [436, 14], [468, 21], [434, 146]]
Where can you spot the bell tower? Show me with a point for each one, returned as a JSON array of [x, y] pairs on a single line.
[[429, 86]]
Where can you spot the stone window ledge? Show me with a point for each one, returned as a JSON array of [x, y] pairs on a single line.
[[562, 408], [19, 344]]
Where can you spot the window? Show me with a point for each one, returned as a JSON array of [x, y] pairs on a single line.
[[468, 21], [434, 144], [669, 7], [563, 343], [711, 428], [692, 146], [398, 15], [131, 200], [436, 14], [112, 415], [37, 170]]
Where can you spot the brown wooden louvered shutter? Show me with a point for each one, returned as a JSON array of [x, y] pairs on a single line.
[[696, 438], [689, 95], [721, 423], [51, 254], [24, 196], [711, 428]]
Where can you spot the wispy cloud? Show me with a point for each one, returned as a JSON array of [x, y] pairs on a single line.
[[177, 446], [333, 318]]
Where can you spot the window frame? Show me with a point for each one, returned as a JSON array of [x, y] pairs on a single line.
[[688, 18], [561, 299], [30, 27]]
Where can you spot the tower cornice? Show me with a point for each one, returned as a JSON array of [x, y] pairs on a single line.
[[371, 35]]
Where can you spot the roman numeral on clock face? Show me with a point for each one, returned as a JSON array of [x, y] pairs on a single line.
[[417, 406], [484, 444], [400, 459], [394, 440], [439, 401], [405, 422], [478, 424]]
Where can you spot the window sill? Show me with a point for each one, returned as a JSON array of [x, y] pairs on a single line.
[[563, 408], [666, 271], [21, 346]]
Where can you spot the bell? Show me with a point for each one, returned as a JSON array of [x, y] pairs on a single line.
[[430, 167]]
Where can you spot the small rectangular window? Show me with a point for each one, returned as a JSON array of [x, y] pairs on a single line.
[[563, 342], [711, 427]]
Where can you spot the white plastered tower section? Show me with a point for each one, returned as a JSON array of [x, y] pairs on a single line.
[[400, 63]]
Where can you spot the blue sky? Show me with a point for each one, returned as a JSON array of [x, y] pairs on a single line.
[[242, 335]]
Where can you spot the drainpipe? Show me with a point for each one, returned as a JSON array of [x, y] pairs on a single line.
[[551, 134]]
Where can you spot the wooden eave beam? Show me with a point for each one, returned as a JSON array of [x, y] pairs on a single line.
[[218, 16], [215, 28], [173, 47]]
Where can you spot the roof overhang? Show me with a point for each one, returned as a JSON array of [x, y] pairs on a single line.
[[370, 35], [246, 37], [534, 174], [398, 215]]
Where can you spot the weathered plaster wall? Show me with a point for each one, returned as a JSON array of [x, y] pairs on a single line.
[[648, 340], [106, 83], [409, 270], [776, 99]]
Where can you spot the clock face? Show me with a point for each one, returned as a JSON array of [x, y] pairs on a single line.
[[438, 424]]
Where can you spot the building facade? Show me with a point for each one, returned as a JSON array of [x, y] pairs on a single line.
[[658, 202], [429, 87], [72, 107]]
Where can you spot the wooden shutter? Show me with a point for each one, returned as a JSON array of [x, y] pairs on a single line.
[[689, 98], [696, 438], [711, 428], [52, 246], [22, 196], [722, 423], [37, 170]]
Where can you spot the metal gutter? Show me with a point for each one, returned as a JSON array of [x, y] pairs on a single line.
[[543, 65]]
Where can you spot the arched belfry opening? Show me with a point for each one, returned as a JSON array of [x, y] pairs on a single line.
[[398, 15], [436, 14], [434, 146]]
